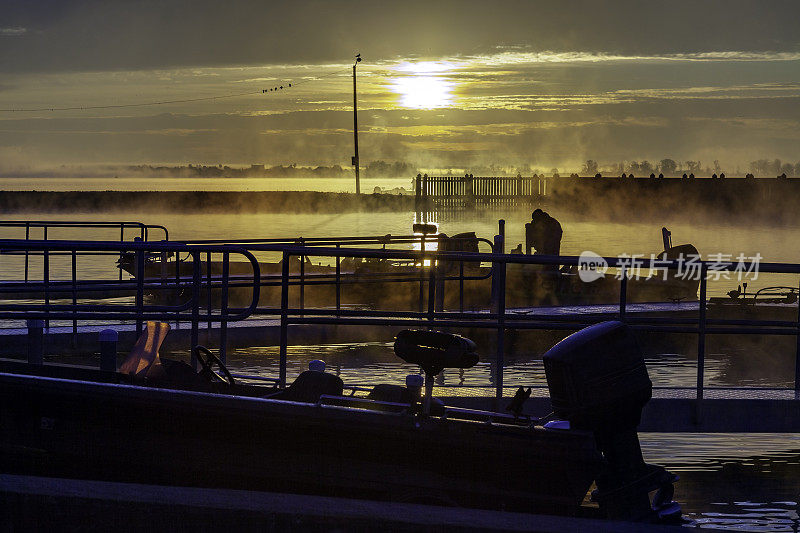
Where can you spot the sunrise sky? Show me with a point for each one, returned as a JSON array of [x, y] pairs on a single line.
[[442, 84]]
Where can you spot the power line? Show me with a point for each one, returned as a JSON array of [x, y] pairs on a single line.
[[167, 102]]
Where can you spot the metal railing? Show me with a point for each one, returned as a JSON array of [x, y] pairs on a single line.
[[426, 268], [498, 319], [190, 288], [337, 277], [141, 228]]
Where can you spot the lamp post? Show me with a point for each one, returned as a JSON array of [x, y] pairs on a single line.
[[355, 124]]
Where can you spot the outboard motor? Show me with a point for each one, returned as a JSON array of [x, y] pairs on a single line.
[[598, 381]]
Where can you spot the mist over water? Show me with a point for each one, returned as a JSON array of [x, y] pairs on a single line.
[[105, 183]]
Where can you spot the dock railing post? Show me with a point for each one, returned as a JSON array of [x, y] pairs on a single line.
[[422, 274], [501, 329], [121, 239], [493, 289], [209, 321], [797, 356], [461, 287], [35, 341], [46, 278], [338, 279], [284, 318], [27, 237], [74, 298], [499, 309], [441, 274], [108, 350], [432, 292], [301, 242], [498, 248], [623, 293], [701, 338], [197, 280], [223, 324], [140, 291]]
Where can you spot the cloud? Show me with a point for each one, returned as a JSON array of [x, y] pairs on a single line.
[[521, 58], [13, 32], [75, 35]]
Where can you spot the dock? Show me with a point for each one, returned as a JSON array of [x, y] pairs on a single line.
[[56, 327], [266, 331], [51, 504]]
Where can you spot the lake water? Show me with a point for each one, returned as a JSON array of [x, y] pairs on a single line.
[[744, 482]]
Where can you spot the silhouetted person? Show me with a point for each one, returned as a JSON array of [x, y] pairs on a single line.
[[544, 233]]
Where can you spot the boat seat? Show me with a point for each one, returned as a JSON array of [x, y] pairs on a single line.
[[144, 357], [386, 392], [309, 386], [435, 350]]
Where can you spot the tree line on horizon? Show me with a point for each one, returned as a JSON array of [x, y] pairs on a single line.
[[402, 169], [374, 169], [670, 167]]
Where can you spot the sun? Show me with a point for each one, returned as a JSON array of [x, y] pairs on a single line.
[[423, 85]]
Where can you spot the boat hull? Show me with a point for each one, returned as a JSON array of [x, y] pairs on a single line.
[[113, 431]]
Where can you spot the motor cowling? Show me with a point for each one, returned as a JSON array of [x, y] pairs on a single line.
[[597, 378], [598, 381]]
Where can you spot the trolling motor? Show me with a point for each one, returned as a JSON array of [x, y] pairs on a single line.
[[434, 351], [598, 381]]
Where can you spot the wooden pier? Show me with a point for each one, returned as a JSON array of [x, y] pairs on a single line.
[[758, 198], [468, 190]]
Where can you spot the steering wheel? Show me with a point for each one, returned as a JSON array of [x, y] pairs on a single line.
[[207, 359]]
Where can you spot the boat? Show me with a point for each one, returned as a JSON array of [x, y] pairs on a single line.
[[767, 303], [157, 421], [373, 282]]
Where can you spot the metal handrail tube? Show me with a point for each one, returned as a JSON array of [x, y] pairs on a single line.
[[473, 257], [144, 228], [141, 248], [500, 318], [313, 241], [701, 337], [325, 278]]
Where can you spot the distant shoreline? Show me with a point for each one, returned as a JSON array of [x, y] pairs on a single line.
[[753, 201], [200, 201]]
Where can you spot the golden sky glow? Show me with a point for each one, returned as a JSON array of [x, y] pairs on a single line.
[[508, 106], [423, 85]]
